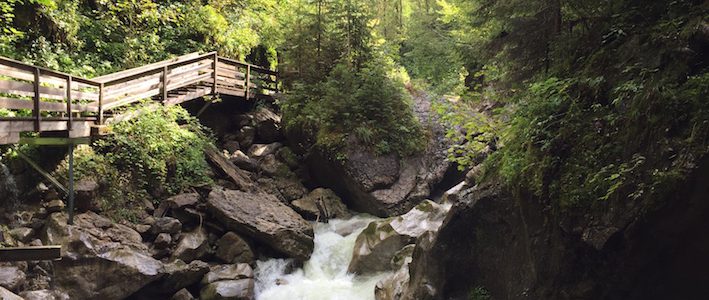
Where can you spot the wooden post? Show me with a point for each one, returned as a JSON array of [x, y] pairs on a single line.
[[100, 104], [36, 113], [214, 84], [164, 84], [68, 103], [70, 193], [248, 82]]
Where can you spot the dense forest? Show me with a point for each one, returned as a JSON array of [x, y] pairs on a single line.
[[592, 115]]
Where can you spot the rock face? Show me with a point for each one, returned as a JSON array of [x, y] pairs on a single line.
[[264, 218], [377, 245], [385, 185], [7, 295], [319, 199], [178, 275], [516, 248]]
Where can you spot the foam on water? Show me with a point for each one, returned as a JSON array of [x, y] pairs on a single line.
[[324, 276]]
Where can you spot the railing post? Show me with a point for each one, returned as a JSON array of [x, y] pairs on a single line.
[[36, 113], [164, 84], [100, 103], [215, 66], [68, 103], [247, 79]]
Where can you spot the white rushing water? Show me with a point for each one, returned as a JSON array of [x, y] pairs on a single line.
[[324, 276]]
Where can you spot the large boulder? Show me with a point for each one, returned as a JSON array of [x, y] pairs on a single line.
[[267, 124], [227, 272], [377, 245], [322, 204], [7, 295], [178, 275], [264, 218], [384, 185], [12, 278], [95, 245], [86, 195]]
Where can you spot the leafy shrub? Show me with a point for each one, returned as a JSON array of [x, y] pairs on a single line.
[[154, 155]]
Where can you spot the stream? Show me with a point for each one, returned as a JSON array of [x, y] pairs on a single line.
[[324, 276]]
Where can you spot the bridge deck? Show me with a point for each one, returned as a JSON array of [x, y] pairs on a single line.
[[36, 99]]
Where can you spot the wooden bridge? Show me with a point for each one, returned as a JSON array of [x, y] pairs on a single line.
[[36, 99]]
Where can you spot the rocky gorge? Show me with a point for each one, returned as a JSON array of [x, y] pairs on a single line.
[[270, 206]]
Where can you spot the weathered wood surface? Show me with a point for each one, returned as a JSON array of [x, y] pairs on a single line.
[[56, 98], [228, 168], [30, 253]]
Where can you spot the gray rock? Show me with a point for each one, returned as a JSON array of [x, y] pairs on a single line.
[[261, 150], [229, 290], [7, 295], [22, 234], [246, 136], [192, 245], [232, 146], [162, 241], [43, 295], [319, 199], [12, 278], [377, 245], [54, 206], [178, 275], [182, 294], [227, 272], [265, 219], [231, 248], [86, 194], [268, 125], [166, 225], [242, 161], [384, 185]]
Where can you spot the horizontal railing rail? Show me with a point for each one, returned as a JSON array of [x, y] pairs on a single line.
[[36, 94]]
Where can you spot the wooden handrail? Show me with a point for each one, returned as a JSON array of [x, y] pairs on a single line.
[[173, 81]]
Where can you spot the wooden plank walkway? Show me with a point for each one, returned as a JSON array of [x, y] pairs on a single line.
[[41, 99]]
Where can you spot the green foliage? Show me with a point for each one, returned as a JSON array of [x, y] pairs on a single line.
[[479, 293], [154, 155], [366, 104]]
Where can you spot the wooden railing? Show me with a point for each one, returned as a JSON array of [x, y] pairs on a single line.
[[52, 100]]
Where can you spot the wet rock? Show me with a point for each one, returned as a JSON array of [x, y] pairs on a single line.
[[262, 150], [229, 290], [22, 234], [381, 240], [231, 248], [264, 218], [321, 204], [246, 136], [182, 294], [162, 241], [166, 225], [54, 206], [12, 278], [86, 193], [193, 245], [7, 295], [227, 272]]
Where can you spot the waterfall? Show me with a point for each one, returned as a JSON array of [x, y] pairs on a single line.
[[324, 276], [8, 187]]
